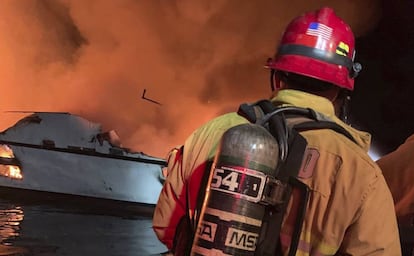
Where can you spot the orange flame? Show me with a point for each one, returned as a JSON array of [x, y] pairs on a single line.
[[11, 171], [198, 58]]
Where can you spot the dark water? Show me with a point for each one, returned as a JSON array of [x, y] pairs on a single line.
[[63, 227]]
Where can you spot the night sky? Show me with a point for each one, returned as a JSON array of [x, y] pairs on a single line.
[[382, 101]]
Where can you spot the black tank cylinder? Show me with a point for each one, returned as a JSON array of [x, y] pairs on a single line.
[[231, 216]]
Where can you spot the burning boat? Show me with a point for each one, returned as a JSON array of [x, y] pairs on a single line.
[[67, 154]]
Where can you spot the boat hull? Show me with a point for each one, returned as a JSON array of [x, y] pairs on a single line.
[[103, 176]]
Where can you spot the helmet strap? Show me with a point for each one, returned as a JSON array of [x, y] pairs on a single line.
[[275, 78], [344, 108], [272, 81]]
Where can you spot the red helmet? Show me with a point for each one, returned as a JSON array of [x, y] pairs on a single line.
[[319, 45]]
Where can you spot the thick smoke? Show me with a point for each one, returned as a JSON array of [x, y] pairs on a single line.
[[94, 58]]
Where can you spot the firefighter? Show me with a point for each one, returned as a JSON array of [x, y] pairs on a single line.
[[398, 170], [350, 209]]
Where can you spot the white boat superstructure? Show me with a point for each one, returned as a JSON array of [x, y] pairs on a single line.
[[65, 153]]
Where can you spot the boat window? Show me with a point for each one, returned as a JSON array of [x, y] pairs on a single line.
[[48, 143], [30, 119], [9, 165], [111, 137], [116, 151]]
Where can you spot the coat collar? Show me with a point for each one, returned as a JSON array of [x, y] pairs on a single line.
[[323, 106]]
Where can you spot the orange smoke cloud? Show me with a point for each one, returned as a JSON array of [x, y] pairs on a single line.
[[95, 58]]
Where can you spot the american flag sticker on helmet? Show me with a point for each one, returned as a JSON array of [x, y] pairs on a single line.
[[319, 30]]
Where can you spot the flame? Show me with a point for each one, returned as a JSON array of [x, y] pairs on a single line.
[[198, 58], [11, 171]]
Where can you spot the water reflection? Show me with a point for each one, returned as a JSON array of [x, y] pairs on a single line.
[[32, 229], [10, 218], [9, 222]]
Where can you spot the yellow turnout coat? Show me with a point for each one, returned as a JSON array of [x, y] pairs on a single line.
[[350, 211]]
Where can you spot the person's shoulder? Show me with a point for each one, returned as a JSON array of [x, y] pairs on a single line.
[[216, 126], [350, 152], [225, 120], [357, 158]]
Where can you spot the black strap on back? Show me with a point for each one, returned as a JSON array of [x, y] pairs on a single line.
[[269, 244], [292, 147], [250, 112], [186, 229], [313, 125]]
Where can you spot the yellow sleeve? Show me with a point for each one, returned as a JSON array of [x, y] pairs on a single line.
[[171, 200], [175, 198], [398, 170]]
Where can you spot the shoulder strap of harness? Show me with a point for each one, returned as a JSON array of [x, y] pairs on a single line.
[[257, 111]]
